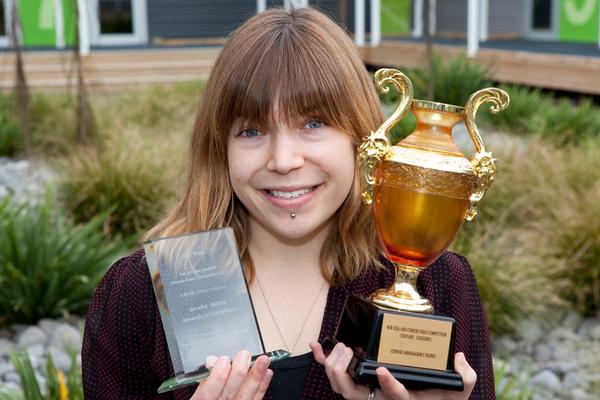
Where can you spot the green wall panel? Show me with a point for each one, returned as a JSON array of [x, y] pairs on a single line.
[[579, 20], [69, 7], [395, 17], [38, 23]]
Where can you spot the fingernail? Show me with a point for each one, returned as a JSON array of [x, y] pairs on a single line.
[[245, 357], [210, 361], [262, 363], [224, 360]]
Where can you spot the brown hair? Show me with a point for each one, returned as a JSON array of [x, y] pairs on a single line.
[[308, 66]]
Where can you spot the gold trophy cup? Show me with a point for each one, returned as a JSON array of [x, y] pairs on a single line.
[[421, 190]]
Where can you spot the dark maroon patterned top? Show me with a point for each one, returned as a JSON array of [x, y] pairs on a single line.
[[125, 353]]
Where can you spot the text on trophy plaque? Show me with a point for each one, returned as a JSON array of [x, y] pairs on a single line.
[[413, 341]]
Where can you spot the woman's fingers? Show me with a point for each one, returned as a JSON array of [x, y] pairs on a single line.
[[237, 374], [336, 366], [235, 380], [212, 387], [318, 352], [257, 380], [390, 387], [264, 385], [394, 390], [468, 374]]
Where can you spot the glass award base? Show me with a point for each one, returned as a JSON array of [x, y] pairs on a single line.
[[202, 373], [418, 349]]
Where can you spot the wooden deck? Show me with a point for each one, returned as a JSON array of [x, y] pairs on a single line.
[[572, 73], [122, 67], [111, 68]]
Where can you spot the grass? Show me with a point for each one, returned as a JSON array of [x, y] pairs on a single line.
[[536, 243], [134, 177], [132, 170]]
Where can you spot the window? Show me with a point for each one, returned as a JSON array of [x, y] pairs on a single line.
[[3, 24], [541, 16], [115, 17]]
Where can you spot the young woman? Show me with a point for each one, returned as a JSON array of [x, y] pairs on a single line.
[[273, 154]]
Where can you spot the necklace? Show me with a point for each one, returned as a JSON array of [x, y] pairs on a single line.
[[310, 310]]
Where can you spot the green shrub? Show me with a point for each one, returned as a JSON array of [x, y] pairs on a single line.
[[52, 121], [537, 234], [561, 121], [566, 122], [511, 282], [133, 175], [525, 103], [11, 136], [48, 266], [455, 79], [158, 109], [565, 228]]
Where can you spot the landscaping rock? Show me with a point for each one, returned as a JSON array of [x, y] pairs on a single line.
[[31, 335], [6, 346], [60, 358], [36, 350], [564, 360], [25, 180], [11, 377], [547, 379], [66, 337], [6, 367], [48, 326], [11, 387]]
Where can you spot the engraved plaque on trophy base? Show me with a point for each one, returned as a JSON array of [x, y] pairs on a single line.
[[418, 349]]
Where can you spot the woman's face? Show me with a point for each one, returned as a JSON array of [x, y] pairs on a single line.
[[306, 168]]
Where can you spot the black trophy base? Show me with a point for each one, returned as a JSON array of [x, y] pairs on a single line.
[[378, 335], [413, 378]]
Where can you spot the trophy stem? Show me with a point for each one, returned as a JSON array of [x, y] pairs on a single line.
[[403, 295]]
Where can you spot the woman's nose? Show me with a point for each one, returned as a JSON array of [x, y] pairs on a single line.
[[286, 153]]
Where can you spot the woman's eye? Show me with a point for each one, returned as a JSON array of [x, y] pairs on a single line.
[[314, 124], [250, 133]]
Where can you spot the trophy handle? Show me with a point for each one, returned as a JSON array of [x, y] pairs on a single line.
[[378, 144], [482, 161]]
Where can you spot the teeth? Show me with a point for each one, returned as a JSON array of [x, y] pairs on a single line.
[[290, 195]]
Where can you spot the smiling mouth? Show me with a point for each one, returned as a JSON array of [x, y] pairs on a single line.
[[290, 195]]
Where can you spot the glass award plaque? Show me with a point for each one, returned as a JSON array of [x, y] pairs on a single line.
[[204, 302]]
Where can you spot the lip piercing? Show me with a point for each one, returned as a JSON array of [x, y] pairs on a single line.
[[293, 214]]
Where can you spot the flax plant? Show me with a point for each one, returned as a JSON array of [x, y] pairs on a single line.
[[58, 386], [49, 266]]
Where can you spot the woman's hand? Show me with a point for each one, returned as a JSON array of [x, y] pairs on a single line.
[[337, 363], [236, 380]]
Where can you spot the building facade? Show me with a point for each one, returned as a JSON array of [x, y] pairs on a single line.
[[52, 23]]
